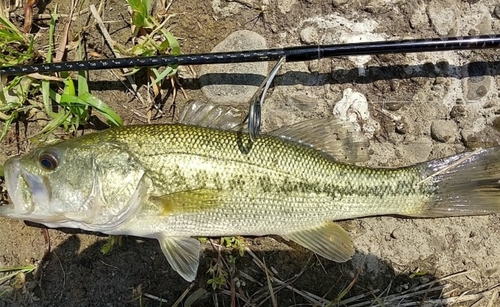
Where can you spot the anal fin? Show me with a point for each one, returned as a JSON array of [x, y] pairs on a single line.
[[328, 240], [183, 254]]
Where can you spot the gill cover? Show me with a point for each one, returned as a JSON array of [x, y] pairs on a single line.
[[81, 183]]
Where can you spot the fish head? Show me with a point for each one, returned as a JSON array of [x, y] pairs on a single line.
[[80, 183]]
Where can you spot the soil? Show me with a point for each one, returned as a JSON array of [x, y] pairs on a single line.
[[419, 107]]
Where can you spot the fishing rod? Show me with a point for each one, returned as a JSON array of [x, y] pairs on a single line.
[[291, 54]]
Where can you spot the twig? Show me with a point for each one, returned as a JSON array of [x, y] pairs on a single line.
[[183, 295], [44, 16], [156, 298], [64, 39], [270, 285], [110, 43]]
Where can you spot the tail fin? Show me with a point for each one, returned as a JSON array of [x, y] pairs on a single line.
[[465, 184]]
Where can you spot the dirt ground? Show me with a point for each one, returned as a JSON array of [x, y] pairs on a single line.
[[412, 108]]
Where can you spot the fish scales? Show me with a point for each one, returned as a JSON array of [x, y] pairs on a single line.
[[267, 183]]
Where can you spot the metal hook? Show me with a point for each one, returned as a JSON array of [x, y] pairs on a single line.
[[254, 112]]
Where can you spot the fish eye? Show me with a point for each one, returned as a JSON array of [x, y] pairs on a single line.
[[48, 161]]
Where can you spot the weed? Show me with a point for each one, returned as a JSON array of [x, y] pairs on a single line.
[[65, 103], [218, 275], [17, 273], [112, 241], [236, 243], [223, 268], [151, 38]]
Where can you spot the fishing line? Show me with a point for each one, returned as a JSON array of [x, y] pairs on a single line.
[[292, 54]]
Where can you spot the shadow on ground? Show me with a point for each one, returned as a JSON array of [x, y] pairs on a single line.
[[370, 74], [68, 276]]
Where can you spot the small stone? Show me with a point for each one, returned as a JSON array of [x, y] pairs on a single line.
[[484, 27], [394, 85], [415, 152], [496, 123], [439, 80], [444, 131], [488, 137], [309, 35], [337, 3], [457, 111], [477, 87], [401, 127], [285, 6], [473, 32], [392, 106], [496, 12], [489, 104], [419, 18]]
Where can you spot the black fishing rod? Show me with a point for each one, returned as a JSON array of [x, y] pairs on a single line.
[[291, 54]]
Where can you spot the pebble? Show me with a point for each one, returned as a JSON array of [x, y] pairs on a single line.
[[309, 36], [416, 152], [496, 123], [484, 27], [337, 3], [235, 82], [457, 111], [419, 18], [444, 131], [285, 6], [496, 12], [482, 139], [443, 17]]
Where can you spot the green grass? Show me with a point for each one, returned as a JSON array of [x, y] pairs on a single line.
[[26, 269], [65, 98], [145, 27]]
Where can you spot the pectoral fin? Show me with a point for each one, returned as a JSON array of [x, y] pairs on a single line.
[[183, 254], [329, 240], [187, 201]]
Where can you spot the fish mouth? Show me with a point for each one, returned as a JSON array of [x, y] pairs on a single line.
[[27, 191]]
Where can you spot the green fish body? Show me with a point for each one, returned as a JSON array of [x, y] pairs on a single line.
[[178, 182]]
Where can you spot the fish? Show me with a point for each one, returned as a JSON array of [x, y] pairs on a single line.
[[178, 182]]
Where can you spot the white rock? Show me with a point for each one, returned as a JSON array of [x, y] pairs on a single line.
[[443, 17], [309, 35], [353, 107]]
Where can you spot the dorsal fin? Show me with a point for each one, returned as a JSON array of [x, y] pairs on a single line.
[[333, 136], [204, 114]]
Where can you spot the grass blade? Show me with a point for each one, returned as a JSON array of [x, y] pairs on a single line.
[[113, 118]]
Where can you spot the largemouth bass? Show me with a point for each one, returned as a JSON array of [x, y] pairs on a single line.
[[177, 182]]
